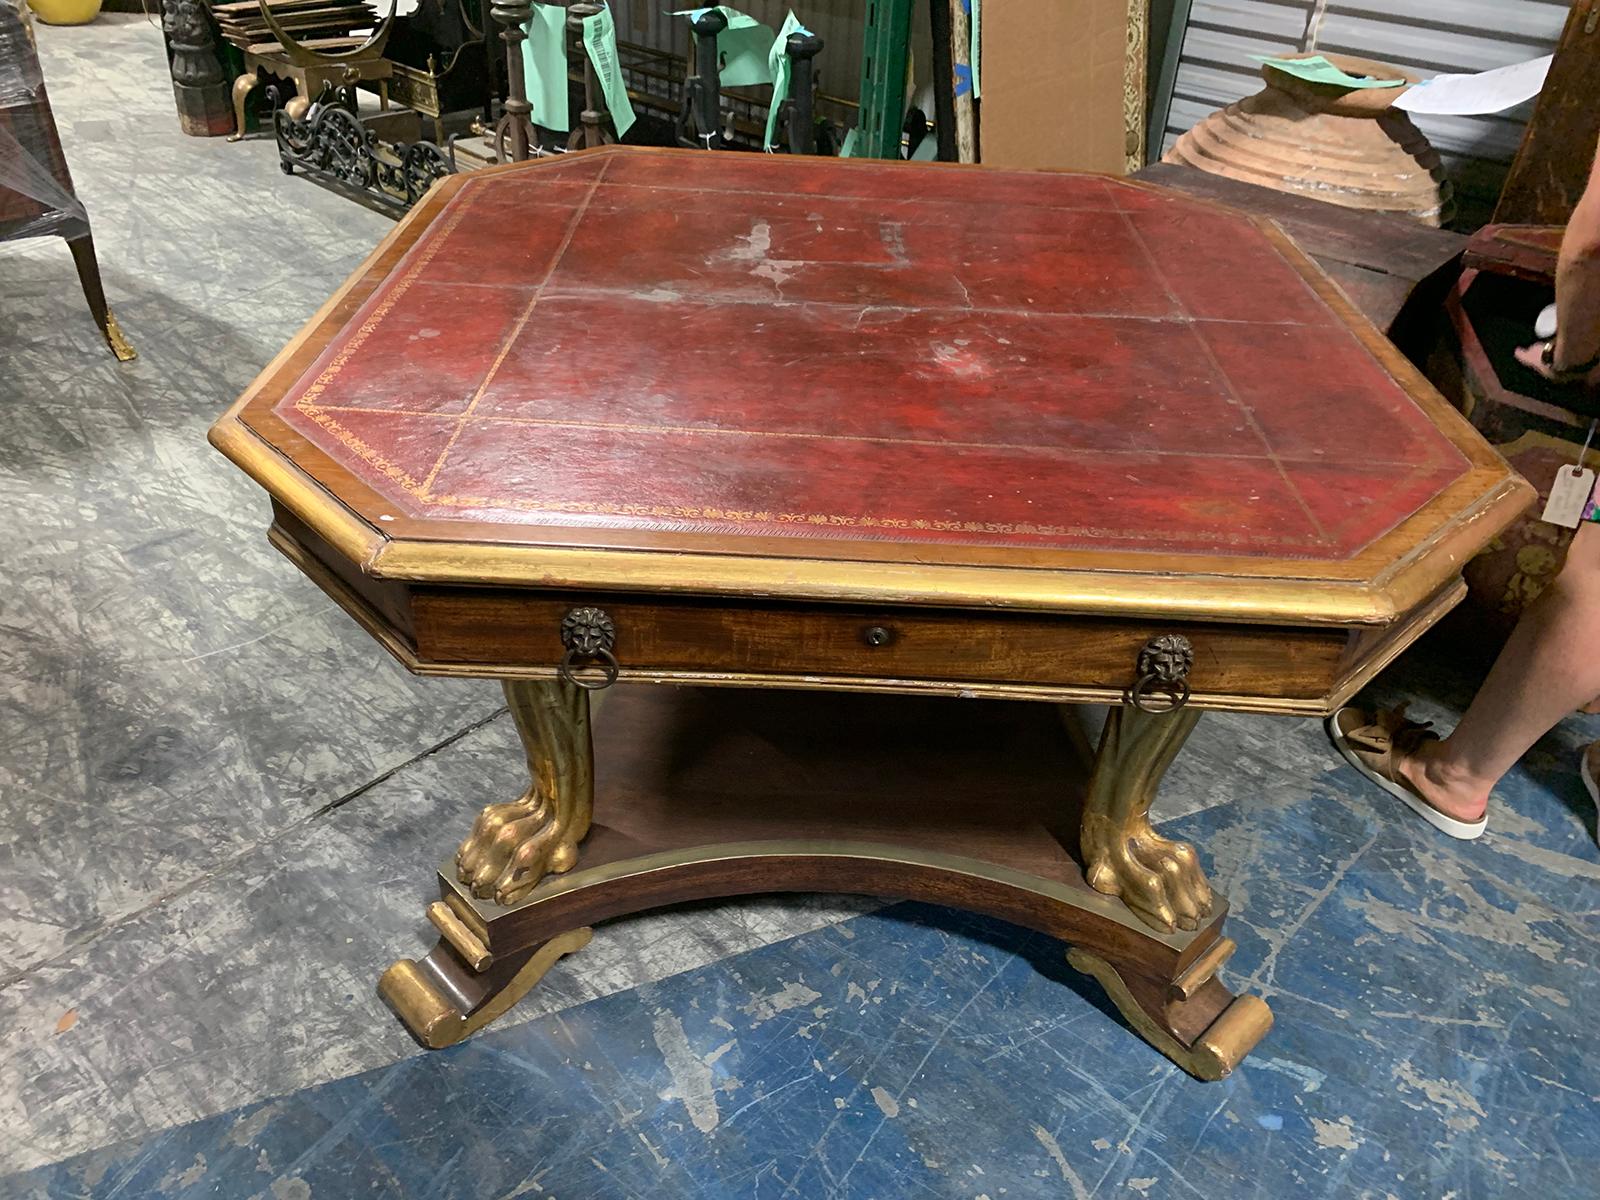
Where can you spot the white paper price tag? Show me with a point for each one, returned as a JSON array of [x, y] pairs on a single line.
[[1569, 496]]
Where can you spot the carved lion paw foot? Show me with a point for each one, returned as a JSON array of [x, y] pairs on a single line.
[[511, 848], [1158, 879]]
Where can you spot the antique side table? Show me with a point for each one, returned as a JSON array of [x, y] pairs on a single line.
[[770, 422]]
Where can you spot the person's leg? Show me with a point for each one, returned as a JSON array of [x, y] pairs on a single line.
[[1549, 668]]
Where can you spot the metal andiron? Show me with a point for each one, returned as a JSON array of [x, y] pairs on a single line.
[[702, 93], [513, 133]]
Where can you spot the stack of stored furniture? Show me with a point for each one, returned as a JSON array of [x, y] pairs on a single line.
[[310, 43], [242, 22]]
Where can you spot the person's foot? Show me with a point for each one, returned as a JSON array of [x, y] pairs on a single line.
[[1428, 772], [1406, 759]]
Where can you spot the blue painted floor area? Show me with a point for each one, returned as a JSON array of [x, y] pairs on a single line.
[[1433, 1039]]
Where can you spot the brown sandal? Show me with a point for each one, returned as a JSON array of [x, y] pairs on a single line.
[[1372, 743]]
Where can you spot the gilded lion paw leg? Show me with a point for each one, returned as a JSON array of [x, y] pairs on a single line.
[[547, 851], [513, 846], [1182, 885], [1157, 878], [497, 834]]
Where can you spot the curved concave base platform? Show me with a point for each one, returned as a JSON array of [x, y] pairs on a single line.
[[707, 794]]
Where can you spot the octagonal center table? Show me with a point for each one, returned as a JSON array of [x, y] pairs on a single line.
[[792, 423]]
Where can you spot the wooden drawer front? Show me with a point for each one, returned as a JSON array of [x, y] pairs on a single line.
[[521, 629]]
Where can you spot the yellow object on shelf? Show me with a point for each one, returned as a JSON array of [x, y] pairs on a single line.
[[65, 12]]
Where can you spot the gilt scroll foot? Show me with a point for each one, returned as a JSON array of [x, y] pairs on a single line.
[[1208, 1035], [513, 846], [1158, 878], [428, 995]]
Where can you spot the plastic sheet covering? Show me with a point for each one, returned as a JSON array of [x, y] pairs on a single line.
[[35, 190]]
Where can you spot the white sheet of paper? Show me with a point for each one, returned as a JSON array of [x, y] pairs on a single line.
[[1472, 95]]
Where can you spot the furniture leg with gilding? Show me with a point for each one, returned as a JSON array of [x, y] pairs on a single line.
[[461, 986], [1158, 878], [513, 846], [242, 87], [88, 265]]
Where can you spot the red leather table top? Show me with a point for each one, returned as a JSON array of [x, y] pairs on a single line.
[[645, 348]]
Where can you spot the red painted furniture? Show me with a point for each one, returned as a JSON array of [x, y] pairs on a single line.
[[776, 422]]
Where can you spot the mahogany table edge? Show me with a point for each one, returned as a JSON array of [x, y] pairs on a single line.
[[1492, 496]]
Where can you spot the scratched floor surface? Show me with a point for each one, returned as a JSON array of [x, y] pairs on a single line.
[[220, 805], [182, 715], [1433, 1040]]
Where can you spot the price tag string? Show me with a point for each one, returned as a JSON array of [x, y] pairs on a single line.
[[1584, 453]]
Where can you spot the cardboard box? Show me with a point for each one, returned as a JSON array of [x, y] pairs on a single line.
[[1054, 76]]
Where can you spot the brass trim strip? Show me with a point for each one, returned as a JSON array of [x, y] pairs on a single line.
[[966, 690], [1177, 595], [1123, 593], [636, 869], [963, 690], [1173, 596]]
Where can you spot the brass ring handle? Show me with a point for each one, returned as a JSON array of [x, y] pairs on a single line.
[[1177, 692], [1163, 668], [608, 663], [588, 634]]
